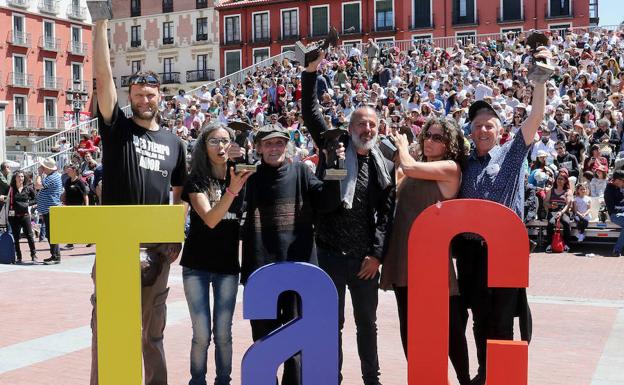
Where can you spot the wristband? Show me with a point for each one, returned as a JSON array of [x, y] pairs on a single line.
[[227, 190]]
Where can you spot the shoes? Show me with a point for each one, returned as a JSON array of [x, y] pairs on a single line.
[[44, 239], [548, 250], [580, 237], [615, 254], [566, 248], [69, 246], [532, 245], [52, 261], [18, 261], [33, 256], [89, 245]]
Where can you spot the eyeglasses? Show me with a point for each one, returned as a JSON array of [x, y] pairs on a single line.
[[214, 142], [144, 79], [435, 137], [558, 148]]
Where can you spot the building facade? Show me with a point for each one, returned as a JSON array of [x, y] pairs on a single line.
[[46, 72], [253, 30], [177, 39]]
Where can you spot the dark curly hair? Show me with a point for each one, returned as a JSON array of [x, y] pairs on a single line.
[[455, 149]]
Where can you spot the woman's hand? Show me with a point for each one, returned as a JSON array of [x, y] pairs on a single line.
[[400, 141], [235, 151], [238, 179]]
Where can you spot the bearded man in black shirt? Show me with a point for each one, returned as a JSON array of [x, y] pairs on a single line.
[[142, 163], [351, 240]]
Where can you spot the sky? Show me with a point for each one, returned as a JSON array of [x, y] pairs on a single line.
[[610, 12]]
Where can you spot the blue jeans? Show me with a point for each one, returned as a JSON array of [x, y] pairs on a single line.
[[618, 219], [197, 291]]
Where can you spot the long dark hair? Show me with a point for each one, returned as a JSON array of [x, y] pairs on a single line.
[[455, 150], [13, 183], [201, 169]]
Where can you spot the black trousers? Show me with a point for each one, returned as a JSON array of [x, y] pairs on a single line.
[[289, 308], [581, 223], [55, 250], [17, 224], [493, 310], [343, 271], [458, 318]]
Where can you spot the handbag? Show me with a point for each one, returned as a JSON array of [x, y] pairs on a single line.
[[557, 244]]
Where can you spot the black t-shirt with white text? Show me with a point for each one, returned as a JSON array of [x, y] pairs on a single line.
[[139, 165]]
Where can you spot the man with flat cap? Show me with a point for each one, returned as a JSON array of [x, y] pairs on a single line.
[[495, 173]]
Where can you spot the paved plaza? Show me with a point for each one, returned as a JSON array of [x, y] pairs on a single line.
[[577, 303]]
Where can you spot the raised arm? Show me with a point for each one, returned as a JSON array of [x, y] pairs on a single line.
[[106, 93], [310, 108], [533, 121]]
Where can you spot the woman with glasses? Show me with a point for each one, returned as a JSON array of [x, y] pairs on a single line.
[[558, 202], [434, 177], [19, 199], [210, 255]]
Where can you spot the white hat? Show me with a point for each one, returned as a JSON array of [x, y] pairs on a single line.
[[48, 163]]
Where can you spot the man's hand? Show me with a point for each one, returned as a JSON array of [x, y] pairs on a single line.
[[235, 151], [313, 66], [369, 269]]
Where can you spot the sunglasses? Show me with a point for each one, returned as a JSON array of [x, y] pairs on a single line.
[[214, 142], [144, 79], [435, 137]]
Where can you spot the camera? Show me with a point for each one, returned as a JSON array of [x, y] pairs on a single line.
[[388, 148]]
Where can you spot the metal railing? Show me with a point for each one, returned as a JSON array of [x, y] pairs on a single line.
[[169, 77], [18, 79], [167, 40], [21, 122], [49, 6], [19, 38], [78, 13], [50, 83], [30, 161], [19, 3], [51, 123], [77, 48], [200, 75], [47, 146], [78, 86], [49, 43]]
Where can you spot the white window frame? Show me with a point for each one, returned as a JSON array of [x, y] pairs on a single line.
[[430, 12], [25, 103], [422, 36], [71, 33], [512, 29], [556, 25], [571, 16], [25, 58], [343, 13], [458, 33], [253, 23], [71, 70], [45, 59], [287, 46], [282, 20], [521, 10], [197, 29], [45, 98], [20, 15], [349, 43], [393, 14], [240, 59], [43, 22], [253, 53], [384, 39], [312, 7], [240, 38]]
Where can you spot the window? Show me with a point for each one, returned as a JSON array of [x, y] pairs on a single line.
[[320, 20], [232, 62], [76, 39], [48, 35], [287, 48], [167, 6], [77, 77], [201, 4], [260, 54], [512, 10], [422, 38], [19, 107], [351, 17], [559, 8], [466, 37], [49, 71], [202, 29], [463, 12], [50, 113], [135, 36], [202, 62], [232, 29], [135, 8], [422, 14], [19, 30], [136, 66], [515, 31], [384, 15], [261, 26], [19, 70], [290, 24], [167, 76], [168, 32]]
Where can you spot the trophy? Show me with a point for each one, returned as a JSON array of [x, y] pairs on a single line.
[[540, 71], [306, 54], [335, 166], [100, 9], [241, 130]]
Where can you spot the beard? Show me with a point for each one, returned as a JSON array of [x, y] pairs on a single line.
[[145, 115], [363, 145]]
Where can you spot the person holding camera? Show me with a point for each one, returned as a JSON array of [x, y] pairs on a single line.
[[352, 238]]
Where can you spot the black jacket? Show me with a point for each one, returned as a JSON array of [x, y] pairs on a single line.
[[614, 199], [381, 197]]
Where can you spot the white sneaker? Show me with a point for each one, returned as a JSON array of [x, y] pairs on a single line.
[[580, 237], [549, 249]]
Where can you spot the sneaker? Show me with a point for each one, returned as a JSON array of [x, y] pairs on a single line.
[[580, 237], [549, 249], [566, 248], [615, 254], [34, 259], [52, 261], [69, 247], [18, 261]]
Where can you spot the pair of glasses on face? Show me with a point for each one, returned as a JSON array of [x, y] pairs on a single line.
[[214, 142], [439, 138], [144, 79]]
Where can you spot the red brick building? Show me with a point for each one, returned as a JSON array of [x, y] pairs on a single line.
[[252, 30]]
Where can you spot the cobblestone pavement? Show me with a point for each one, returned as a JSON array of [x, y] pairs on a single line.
[[577, 303]]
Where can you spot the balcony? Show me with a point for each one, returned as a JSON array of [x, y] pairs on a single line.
[[514, 18], [167, 6], [291, 37], [49, 44], [125, 81], [352, 30], [49, 83], [51, 123], [19, 39], [21, 122], [49, 6], [135, 43], [19, 3], [76, 13], [384, 28], [201, 4], [167, 40], [20, 80], [200, 76], [77, 48], [201, 37], [559, 13], [169, 77], [261, 39], [422, 24], [465, 21], [78, 86], [231, 41]]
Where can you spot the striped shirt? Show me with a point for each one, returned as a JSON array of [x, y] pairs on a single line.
[[50, 194]]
